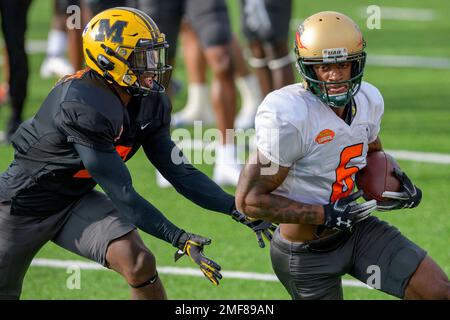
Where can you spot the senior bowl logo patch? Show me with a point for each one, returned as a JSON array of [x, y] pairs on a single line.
[[325, 136]]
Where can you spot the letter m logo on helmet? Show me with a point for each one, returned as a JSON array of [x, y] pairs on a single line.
[[113, 33], [122, 45]]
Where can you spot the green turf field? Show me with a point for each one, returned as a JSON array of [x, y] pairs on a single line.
[[417, 118]]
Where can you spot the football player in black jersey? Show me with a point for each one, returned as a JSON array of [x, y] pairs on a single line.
[[89, 124]]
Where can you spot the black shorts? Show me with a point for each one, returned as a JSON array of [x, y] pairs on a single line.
[[374, 246], [85, 228], [279, 13], [209, 19]]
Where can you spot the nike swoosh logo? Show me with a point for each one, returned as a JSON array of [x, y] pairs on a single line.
[[145, 126]]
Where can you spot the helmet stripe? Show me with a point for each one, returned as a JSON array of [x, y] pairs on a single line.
[[144, 17]]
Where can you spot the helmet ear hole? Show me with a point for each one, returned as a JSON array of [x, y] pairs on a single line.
[[105, 63]]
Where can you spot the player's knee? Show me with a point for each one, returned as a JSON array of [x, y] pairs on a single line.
[[281, 62], [141, 269], [443, 293], [447, 291], [221, 62]]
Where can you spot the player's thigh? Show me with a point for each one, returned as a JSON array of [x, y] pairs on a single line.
[[306, 275], [384, 258], [210, 20], [21, 237], [92, 225], [429, 282]]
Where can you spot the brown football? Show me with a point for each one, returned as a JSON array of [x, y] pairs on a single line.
[[378, 176]]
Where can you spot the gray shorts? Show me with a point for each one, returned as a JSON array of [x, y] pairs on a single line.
[[373, 244], [209, 19], [98, 6], [85, 228], [279, 13]]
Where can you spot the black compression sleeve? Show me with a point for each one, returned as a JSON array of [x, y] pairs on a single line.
[[109, 171], [187, 180]]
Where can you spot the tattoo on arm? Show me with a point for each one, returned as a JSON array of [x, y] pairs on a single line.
[[254, 197]]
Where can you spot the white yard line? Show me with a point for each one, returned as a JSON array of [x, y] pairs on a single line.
[[388, 13], [420, 156], [414, 156], [425, 157], [83, 265], [403, 14], [408, 61], [39, 46]]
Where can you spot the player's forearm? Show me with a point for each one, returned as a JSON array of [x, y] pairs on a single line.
[[186, 179], [279, 209], [111, 174], [204, 192], [254, 197], [143, 214]]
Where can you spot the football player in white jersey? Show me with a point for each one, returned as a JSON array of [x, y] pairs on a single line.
[[312, 138]]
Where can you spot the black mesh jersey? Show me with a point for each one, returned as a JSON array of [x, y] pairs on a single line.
[[47, 173]]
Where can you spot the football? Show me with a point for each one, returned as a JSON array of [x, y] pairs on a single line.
[[378, 176]]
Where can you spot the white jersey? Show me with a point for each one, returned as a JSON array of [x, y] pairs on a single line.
[[295, 129]]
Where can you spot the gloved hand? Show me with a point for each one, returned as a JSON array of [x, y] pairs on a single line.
[[260, 227], [410, 197], [345, 212], [192, 245]]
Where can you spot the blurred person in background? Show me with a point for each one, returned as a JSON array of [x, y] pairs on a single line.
[[265, 25], [4, 84], [198, 102], [14, 26], [198, 98], [93, 7], [198, 106], [211, 23], [62, 40]]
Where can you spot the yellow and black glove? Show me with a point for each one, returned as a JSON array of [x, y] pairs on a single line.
[[192, 245]]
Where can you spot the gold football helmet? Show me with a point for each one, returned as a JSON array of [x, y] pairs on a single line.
[[124, 45], [326, 38]]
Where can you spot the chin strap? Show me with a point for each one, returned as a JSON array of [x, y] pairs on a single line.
[[138, 90]]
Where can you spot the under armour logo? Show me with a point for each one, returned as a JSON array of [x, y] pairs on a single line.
[[347, 223]]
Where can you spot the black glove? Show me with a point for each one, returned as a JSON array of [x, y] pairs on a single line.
[[345, 212], [260, 227], [192, 245], [410, 197]]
